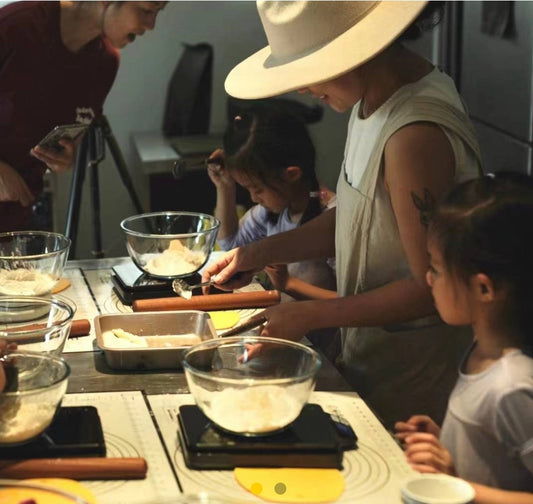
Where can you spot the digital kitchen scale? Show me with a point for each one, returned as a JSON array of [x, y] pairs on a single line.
[[130, 283], [314, 439], [75, 432]]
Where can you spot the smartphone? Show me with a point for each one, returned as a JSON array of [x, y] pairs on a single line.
[[68, 131]]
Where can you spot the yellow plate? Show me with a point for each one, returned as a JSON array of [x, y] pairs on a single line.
[[299, 485], [13, 495]]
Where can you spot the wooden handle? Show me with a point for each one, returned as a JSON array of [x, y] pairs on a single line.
[[76, 468], [81, 327], [255, 299]]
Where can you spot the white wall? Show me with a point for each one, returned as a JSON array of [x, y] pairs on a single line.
[[137, 100]]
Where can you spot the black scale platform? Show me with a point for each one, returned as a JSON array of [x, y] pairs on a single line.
[[130, 283], [314, 439]]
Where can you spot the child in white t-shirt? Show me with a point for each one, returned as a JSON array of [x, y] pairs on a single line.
[[480, 243]]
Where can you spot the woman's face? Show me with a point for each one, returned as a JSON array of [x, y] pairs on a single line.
[[123, 21], [272, 198], [451, 296], [341, 93]]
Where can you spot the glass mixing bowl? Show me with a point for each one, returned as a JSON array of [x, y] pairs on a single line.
[[36, 324], [170, 244], [251, 385], [31, 262], [35, 387]]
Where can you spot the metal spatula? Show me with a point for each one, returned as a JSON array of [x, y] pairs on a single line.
[[245, 326], [184, 290]]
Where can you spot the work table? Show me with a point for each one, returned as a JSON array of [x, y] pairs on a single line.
[[139, 413]]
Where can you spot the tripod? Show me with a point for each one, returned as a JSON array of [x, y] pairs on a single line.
[[90, 152]]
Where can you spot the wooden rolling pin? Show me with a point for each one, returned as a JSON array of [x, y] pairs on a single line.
[[99, 468], [254, 299], [81, 327]]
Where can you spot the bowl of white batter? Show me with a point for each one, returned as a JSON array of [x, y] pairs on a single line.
[[170, 245]]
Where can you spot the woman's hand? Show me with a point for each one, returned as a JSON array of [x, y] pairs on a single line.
[[240, 260], [417, 423], [426, 454], [279, 275], [290, 321], [13, 187], [57, 160]]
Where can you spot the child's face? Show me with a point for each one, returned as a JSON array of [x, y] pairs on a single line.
[[272, 197], [124, 21], [451, 296]]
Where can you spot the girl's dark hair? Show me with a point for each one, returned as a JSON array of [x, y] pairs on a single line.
[[485, 226], [264, 140], [430, 17]]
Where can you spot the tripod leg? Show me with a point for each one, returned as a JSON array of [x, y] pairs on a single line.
[[120, 163], [73, 212], [95, 200]]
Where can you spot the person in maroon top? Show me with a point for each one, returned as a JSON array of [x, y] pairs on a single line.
[[58, 61]]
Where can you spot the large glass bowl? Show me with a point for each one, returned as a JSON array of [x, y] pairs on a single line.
[[35, 323], [170, 244], [31, 262], [30, 401], [251, 385]]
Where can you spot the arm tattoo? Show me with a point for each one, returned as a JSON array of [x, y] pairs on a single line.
[[425, 205]]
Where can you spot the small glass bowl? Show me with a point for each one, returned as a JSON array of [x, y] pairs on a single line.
[[31, 262], [203, 498], [251, 385], [38, 324], [436, 489], [170, 244], [31, 399]]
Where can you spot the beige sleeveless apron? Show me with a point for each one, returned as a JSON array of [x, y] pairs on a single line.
[[410, 368]]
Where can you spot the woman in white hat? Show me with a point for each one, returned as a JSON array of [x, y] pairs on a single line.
[[408, 142]]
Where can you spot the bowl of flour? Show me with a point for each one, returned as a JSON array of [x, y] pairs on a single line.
[[32, 396], [251, 385], [31, 262], [170, 245]]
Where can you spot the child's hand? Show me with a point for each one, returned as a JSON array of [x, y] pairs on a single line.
[[417, 423], [425, 454], [278, 275], [217, 172]]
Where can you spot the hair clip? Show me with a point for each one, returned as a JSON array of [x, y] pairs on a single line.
[[317, 194]]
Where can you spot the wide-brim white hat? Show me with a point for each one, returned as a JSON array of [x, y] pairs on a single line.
[[315, 41]]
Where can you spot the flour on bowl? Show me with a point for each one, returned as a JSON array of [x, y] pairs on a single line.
[[176, 260], [256, 409], [25, 282], [27, 421]]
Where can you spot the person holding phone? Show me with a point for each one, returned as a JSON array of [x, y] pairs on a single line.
[[58, 61]]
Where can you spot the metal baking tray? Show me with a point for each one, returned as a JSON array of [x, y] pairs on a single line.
[[146, 324]]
